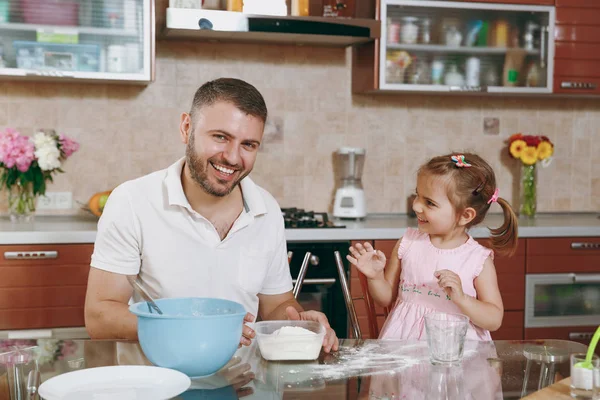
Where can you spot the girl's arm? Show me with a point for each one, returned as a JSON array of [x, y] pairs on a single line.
[[384, 288], [487, 310]]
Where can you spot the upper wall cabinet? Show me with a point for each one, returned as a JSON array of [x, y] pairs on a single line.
[[443, 46], [81, 40], [577, 56]]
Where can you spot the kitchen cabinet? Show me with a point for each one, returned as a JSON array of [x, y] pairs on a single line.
[[449, 46], [86, 40], [43, 286], [577, 55], [563, 255]]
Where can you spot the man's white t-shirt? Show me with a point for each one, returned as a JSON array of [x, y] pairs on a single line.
[[148, 227]]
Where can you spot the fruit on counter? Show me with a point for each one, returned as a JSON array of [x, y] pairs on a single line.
[[98, 201]]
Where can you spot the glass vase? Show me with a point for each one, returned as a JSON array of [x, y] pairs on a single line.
[[528, 191], [21, 203]]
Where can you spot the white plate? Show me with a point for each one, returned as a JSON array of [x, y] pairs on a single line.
[[123, 382]]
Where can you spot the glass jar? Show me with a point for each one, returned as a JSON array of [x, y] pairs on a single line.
[[426, 31], [409, 33]]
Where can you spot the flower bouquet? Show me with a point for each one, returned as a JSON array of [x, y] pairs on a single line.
[[530, 150], [26, 163]]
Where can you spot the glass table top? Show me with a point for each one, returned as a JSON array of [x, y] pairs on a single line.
[[370, 369]]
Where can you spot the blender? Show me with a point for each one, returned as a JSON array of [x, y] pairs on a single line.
[[350, 196]]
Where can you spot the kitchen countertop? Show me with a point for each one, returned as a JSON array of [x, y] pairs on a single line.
[[370, 369], [82, 229]]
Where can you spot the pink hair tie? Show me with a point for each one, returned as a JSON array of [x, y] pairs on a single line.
[[494, 198]]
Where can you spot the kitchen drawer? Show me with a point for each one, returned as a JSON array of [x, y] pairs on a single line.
[[32, 297], [511, 276], [563, 255], [577, 68], [512, 326], [43, 286], [36, 318], [46, 254], [576, 33], [579, 51], [579, 16], [578, 3], [43, 275]]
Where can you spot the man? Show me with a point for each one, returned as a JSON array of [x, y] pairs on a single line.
[[200, 228]]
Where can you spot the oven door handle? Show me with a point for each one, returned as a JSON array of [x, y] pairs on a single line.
[[585, 278], [323, 281]]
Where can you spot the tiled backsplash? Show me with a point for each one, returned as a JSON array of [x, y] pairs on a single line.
[[128, 131]]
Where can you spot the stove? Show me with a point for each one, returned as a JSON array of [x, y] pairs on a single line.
[[299, 218]]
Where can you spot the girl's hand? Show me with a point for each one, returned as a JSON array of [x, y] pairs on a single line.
[[369, 261], [451, 284]]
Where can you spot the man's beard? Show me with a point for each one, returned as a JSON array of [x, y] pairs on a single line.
[[198, 166]]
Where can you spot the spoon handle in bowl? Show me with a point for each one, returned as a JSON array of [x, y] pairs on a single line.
[[142, 291]]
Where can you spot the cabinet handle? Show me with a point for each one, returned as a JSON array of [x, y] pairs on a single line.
[[578, 85], [585, 246], [543, 33], [24, 255], [585, 278], [580, 335]]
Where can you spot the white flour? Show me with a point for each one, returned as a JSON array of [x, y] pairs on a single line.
[[290, 343], [374, 358], [293, 331]]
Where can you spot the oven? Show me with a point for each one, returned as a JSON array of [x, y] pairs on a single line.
[[321, 289], [562, 300]]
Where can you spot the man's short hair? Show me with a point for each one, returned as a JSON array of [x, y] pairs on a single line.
[[236, 91]]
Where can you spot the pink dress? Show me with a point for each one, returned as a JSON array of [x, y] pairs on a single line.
[[419, 292]]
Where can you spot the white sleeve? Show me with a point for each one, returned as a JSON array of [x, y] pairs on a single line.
[[279, 278], [118, 239]]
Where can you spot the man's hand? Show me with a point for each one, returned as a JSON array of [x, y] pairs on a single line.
[[247, 332], [330, 341]]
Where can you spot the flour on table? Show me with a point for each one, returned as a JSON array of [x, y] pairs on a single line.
[[375, 358]]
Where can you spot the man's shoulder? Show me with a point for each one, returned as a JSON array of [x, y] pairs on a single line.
[[144, 185], [271, 203]]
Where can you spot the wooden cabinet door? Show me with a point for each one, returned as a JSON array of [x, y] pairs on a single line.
[[512, 326], [43, 286], [577, 47], [511, 277], [563, 255]]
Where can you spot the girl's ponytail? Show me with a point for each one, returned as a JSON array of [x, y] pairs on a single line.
[[504, 240]]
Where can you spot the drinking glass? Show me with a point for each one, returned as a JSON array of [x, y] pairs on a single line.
[[582, 381], [446, 336]]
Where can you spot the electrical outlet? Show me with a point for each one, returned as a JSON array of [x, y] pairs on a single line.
[[55, 201]]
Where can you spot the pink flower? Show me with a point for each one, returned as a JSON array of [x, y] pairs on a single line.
[[16, 150], [67, 146]]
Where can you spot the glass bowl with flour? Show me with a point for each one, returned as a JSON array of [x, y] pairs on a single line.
[[289, 340]]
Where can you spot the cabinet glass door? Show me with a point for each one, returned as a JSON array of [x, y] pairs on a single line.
[[79, 39], [458, 46]]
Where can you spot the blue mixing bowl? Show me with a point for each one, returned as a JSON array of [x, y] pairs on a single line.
[[196, 336]]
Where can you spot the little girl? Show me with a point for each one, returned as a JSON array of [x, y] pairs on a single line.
[[440, 267]]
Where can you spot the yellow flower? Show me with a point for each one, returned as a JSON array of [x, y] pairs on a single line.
[[516, 148], [529, 155], [545, 150]]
